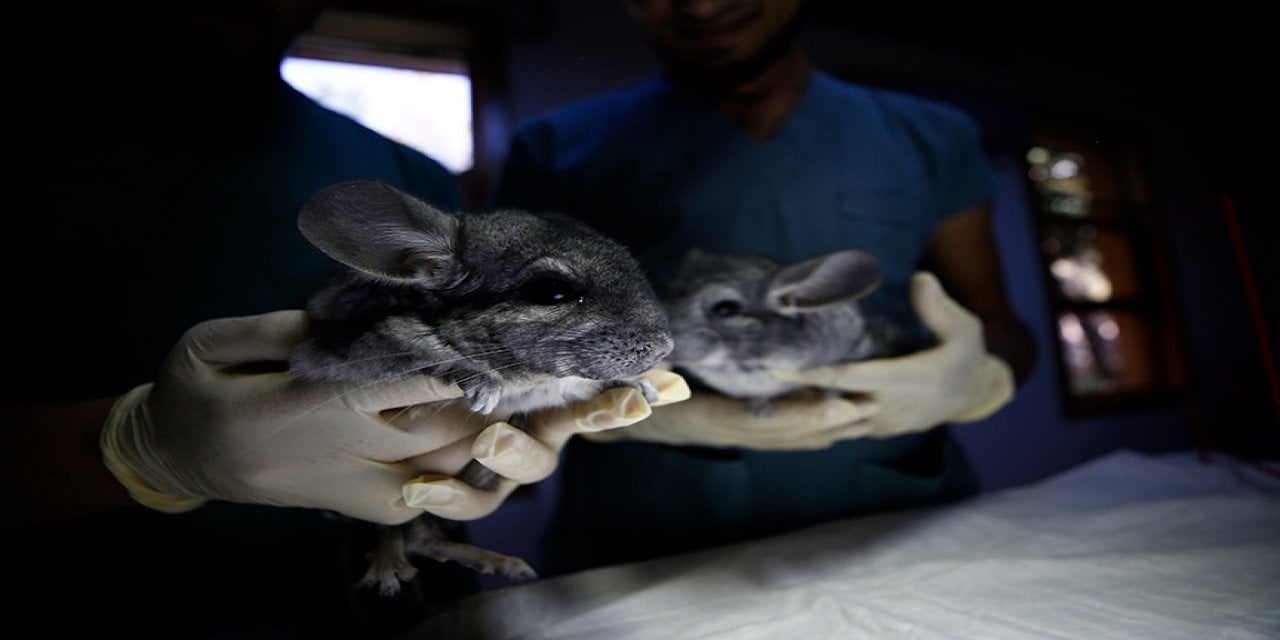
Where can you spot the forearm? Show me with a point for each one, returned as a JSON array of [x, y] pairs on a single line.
[[53, 464]]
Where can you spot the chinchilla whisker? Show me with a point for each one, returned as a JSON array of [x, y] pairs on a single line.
[[380, 357], [496, 369]]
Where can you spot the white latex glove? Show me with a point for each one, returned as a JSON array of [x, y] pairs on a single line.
[[954, 381], [217, 425], [523, 457], [800, 421]]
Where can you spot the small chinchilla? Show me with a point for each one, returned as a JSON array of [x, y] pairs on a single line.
[[523, 311], [733, 316]]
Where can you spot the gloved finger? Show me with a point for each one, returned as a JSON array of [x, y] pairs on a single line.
[[269, 337], [514, 454], [438, 421], [942, 314], [397, 394], [612, 409], [454, 499], [523, 457], [994, 385], [403, 434], [671, 386], [859, 377], [381, 498], [798, 417], [449, 459], [793, 433], [727, 419]]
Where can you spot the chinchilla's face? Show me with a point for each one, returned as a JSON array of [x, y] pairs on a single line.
[[717, 310], [740, 312], [502, 296], [554, 297]]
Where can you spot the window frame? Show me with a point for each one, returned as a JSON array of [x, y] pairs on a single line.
[[1133, 215]]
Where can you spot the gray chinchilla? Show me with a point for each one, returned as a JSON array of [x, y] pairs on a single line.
[[523, 311], [734, 316]]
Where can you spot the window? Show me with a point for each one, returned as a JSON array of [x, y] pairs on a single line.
[[1103, 267], [376, 61], [427, 110]]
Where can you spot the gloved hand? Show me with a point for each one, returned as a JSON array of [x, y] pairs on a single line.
[[523, 457], [954, 381], [799, 421], [217, 425]]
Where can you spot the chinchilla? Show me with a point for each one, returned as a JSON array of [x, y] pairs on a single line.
[[734, 316], [523, 311]]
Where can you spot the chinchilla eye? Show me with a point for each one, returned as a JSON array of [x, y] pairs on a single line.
[[726, 308], [550, 290]]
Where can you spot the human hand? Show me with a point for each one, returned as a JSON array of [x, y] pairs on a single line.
[[216, 424], [799, 421], [954, 381], [523, 457]]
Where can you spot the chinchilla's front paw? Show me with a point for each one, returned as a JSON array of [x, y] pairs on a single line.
[[759, 407], [482, 397], [643, 385], [648, 389]]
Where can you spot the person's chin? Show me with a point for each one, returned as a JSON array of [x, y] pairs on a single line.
[[713, 72]]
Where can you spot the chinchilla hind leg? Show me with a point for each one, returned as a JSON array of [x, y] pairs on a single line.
[[427, 538], [389, 564]]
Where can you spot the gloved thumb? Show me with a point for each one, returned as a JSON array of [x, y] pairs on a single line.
[[943, 316], [260, 338]]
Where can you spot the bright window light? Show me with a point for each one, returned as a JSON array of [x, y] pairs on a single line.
[[429, 111]]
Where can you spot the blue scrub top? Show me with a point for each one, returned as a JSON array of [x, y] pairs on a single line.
[[663, 173]]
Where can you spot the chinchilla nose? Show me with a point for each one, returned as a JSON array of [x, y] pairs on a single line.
[[648, 348], [637, 352], [661, 348]]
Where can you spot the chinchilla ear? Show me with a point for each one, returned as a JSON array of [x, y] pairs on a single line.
[[826, 279], [692, 261], [376, 228]]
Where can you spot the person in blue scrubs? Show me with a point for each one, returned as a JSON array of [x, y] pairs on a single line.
[[742, 145]]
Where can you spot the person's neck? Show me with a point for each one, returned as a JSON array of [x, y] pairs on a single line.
[[760, 105]]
